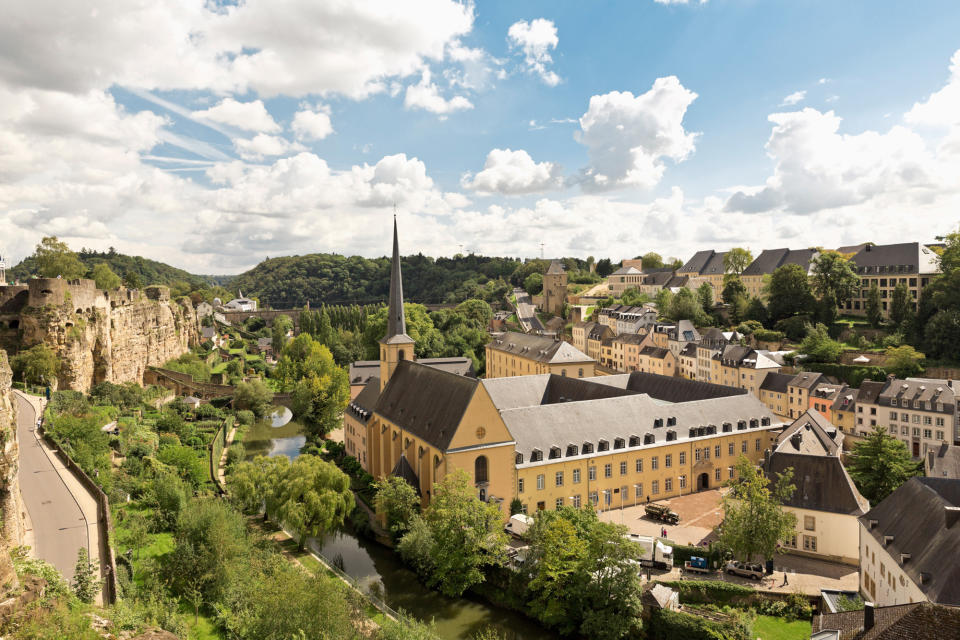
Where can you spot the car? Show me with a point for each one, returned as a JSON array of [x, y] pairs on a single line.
[[751, 570]]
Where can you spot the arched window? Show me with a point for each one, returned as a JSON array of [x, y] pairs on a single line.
[[480, 469], [403, 356]]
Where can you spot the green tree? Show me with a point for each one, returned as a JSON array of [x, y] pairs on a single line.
[[86, 577], [736, 260], [663, 300], [132, 280], [879, 464], [104, 276], [754, 520], [733, 288], [313, 497], [186, 461], [789, 293], [476, 311], [834, 281], [903, 361], [429, 340], [278, 333], [950, 257], [605, 267], [901, 305], [819, 346], [705, 297], [398, 502], [756, 311], [634, 298], [652, 260], [55, 259], [942, 333], [253, 484], [466, 535], [874, 313], [685, 306], [557, 555], [37, 365], [255, 396], [137, 532], [533, 284]]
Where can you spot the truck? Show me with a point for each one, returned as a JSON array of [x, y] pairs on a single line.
[[697, 565], [662, 513], [654, 553]]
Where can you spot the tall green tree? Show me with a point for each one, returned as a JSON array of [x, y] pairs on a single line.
[[901, 305], [314, 497], [86, 578], [834, 281], [605, 267], [819, 346], [903, 361], [757, 311], [37, 365], [54, 258], [754, 520], [429, 340], [278, 333], [789, 293], [255, 396], [879, 464], [104, 276], [874, 313], [533, 284], [950, 257], [253, 484], [736, 260], [733, 288], [398, 502], [705, 297], [684, 305], [652, 260], [942, 334]]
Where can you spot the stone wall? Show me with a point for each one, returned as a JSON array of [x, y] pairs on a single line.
[[12, 534], [108, 336]]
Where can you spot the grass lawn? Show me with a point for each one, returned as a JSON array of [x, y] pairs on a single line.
[[770, 628]]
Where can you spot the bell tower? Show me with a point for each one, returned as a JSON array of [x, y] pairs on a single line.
[[396, 345]]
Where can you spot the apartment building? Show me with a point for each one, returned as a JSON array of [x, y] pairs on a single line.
[[522, 354], [774, 392], [909, 263], [626, 351], [627, 277], [687, 362], [741, 367], [824, 395], [623, 318], [658, 361], [595, 338], [579, 333], [799, 389], [910, 545], [755, 276], [918, 412], [705, 266]]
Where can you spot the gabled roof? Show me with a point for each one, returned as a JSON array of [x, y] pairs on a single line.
[[363, 405], [657, 353], [912, 256], [627, 271], [920, 391], [403, 470], [689, 350], [668, 388], [869, 391], [822, 484], [776, 382], [810, 434], [806, 379], [914, 621], [555, 268], [943, 462], [697, 262], [714, 266], [541, 348], [362, 370], [770, 260], [922, 519], [658, 278], [411, 400]]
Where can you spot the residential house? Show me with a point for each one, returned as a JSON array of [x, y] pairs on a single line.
[[774, 392], [844, 413], [687, 362], [741, 367], [656, 360], [943, 462], [867, 407], [627, 277], [824, 395], [910, 545], [826, 501], [241, 303], [579, 332], [711, 343], [522, 354], [917, 621], [595, 339], [909, 263], [798, 391], [921, 413], [680, 335], [755, 276], [705, 266], [204, 309]]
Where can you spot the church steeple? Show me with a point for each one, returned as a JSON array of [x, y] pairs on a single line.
[[396, 345]]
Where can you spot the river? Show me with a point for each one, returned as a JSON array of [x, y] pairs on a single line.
[[378, 569]]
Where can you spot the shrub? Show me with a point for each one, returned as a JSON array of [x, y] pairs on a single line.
[[677, 625], [767, 335], [245, 417], [709, 591]]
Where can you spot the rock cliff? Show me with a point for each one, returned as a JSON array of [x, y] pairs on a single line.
[[105, 336], [9, 486]]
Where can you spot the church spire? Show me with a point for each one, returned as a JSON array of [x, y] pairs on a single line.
[[396, 321]]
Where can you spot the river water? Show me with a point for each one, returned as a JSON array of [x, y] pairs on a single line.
[[378, 569]]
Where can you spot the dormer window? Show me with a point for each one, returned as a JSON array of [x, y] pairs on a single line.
[[554, 453], [648, 438], [657, 423], [765, 422], [571, 450], [754, 423], [603, 446], [587, 447], [536, 456], [727, 427], [634, 441], [671, 422], [519, 458], [618, 443], [741, 425], [671, 435]]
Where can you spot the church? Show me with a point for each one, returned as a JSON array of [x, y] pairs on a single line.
[[548, 440]]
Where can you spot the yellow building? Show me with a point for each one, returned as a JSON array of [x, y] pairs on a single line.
[[522, 354], [656, 360], [597, 334], [705, 266], [687, 362], [798, 392], [911, 264], [741, 367], [758, 272]]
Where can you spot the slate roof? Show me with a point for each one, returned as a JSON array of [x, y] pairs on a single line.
[[923, 519], [845, 401], [919, 391], [677, 281], [806, 379], [736, 355], [396, 320], [637, 415], [555, 269], [362, 370], [697, 263], [658, 278], [915, 621], [912, 256], [770, 260], [540, 348], [714, 265], [689, 350], [363, 405], [411, 399], [403, 470], [627, 271], [630, 338], [655, 352], [822, 484], [668, 388], [869, 391], [810, 434], [944, 462], [776, 382]]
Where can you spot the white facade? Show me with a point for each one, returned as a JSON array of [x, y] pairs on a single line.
[[825, 535], [882, 578]]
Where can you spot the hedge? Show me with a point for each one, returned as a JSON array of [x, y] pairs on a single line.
[[709, 591], [851, 374], [682, 553], [676, 625]]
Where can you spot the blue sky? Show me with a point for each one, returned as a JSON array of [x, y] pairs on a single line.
[[213, 137]]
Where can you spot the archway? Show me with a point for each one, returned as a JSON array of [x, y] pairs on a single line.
[[703, 481]]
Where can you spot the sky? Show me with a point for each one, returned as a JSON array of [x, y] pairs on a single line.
[[211, 135]]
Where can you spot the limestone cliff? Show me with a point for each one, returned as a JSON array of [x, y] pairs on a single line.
[[105, 336], [9, 486]]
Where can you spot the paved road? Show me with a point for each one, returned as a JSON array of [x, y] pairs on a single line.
[[526, 312], [59, 528]]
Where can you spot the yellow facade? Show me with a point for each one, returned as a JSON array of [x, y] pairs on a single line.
[[665, 366], [501, 364], [776, 401], [666, 471]]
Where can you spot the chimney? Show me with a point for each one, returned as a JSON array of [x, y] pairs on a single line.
[[796, 439], [868, 618], [930, 461], [951, 515]]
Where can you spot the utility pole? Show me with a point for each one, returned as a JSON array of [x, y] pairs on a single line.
[[541, 249]]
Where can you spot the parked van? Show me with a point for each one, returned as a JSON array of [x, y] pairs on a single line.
[[654, 553], [518, 524]]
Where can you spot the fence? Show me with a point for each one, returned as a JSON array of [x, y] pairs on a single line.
[[104, 519]]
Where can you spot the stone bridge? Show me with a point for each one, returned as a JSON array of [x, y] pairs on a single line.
[[183, 384]]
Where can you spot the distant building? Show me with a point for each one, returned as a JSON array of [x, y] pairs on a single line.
[[204, 309], [910, 263], [624, 278], [910, 545], [241, 304], [705, 266], [756, 274], [521, 354], [554, 288], [917, 621]]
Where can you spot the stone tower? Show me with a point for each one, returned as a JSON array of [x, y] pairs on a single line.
[[554, 288], [396, 345]]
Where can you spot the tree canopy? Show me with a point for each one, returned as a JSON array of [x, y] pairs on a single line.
[[54, 258], [834, 281], [789, 292], [819, 346], [754, 520], [879, 464], [736, 260], [313, 497], [37, 365]]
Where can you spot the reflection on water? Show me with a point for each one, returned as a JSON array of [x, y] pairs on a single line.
[[379, 570], [280, 417]]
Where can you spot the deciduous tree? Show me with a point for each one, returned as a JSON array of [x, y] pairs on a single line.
[[874, 313], [104, 276], [879, 464], [398, 501], [834, 281], [314, 496], [54, 258], [652, 260], [37, 365], [819, 346], [255, 396], [254, 483], [789, 293], [705, 297], [754, 520], [736, 260], [901, 305], [903, 361]]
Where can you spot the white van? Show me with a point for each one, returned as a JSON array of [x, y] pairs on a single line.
[[518, 524]]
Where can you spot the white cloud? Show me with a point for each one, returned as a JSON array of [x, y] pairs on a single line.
[[311, 125], [425, 95], [536, 39], [268, 46], [793, 98], [511, 172], [942, 108], [249, 116], [627, 137], [263, 145], [823, 80]]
